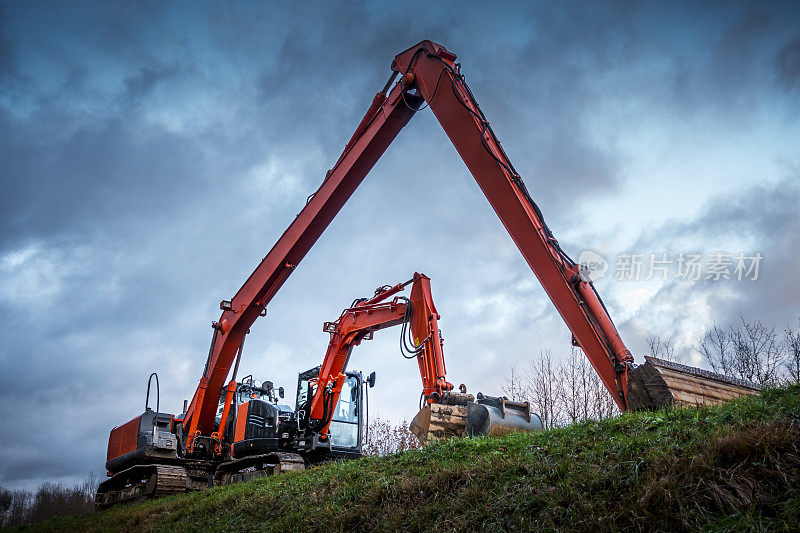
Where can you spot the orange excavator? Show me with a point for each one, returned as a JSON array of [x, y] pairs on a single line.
[[255, 434], [158, 453], [455, 413]]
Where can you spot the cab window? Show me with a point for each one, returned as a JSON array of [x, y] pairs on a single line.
[[345, 421]]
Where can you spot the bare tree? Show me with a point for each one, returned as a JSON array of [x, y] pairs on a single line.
[[569, 375], [663, 348], [716, 347], [575, 375], [544, 388], [792, 343], [568, 391], [513, 386], [6, 499], [602, 404], [749, 350], [759, 352], [21, 507], [17, 512]]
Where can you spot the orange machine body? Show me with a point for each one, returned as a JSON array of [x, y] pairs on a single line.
[[123, 439]]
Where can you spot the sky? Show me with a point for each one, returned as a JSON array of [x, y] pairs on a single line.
[[151, 153]]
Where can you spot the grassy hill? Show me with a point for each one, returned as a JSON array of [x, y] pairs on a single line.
[[731, 467]]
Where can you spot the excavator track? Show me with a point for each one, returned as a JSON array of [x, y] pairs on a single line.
[[169, 480], [257, 466], [140, 482]]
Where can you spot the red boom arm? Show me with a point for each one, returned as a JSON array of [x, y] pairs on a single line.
[[428, 74]]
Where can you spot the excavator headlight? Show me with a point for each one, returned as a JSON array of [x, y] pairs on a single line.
[[226, 305]]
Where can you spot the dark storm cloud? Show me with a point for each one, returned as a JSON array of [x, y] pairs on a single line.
[[143, 82], [547, 79], [787, 65], [732, 58], [102, 176], [763, 211], [323, 69], [545, 76], [6, 50], [150, 157]]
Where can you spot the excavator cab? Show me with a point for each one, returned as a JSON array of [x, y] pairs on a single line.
[[346, 431]]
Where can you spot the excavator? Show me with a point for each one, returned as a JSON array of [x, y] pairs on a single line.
[[443, 412], [234, 431], [256, 435]]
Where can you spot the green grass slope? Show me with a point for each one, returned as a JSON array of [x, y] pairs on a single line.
[[730, 467]]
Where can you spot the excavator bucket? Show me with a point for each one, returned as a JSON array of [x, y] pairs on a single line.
[[461, 415], [498, 416], [658, 383]]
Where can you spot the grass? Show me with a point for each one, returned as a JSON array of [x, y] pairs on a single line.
[[732, 467]]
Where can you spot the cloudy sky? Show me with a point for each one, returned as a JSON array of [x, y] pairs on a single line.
[[151, 154]]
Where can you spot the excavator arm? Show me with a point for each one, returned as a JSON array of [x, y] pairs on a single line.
[[361, 320], [428, 74]]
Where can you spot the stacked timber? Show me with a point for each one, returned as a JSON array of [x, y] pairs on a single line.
[[658, 383]]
